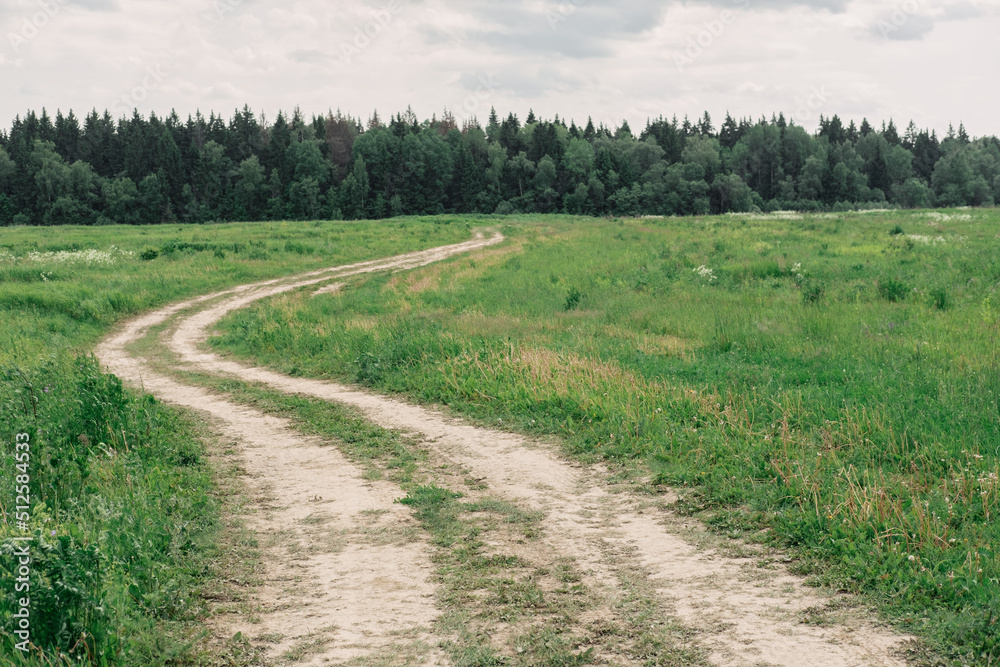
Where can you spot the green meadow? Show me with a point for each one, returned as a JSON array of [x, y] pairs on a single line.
[[828, 384], [125, 507]]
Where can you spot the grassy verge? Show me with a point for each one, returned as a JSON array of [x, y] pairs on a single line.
[[125, 501], [833, 379]]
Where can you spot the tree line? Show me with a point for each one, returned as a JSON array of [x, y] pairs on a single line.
[[138, 170]]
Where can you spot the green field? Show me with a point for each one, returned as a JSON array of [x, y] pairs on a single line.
[[125, 507], [826, 383]]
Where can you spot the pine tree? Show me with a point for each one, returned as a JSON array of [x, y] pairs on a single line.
[[910, 137], [890, 133], [852, 132], [728, 132], [705, 126], [67, 136]]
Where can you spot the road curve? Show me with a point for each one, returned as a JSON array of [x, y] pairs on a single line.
[[741, 615]]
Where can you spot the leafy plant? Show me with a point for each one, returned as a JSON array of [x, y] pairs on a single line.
[[573, 298], [892, 290], [812, 292], [68, 612], [940, 299]]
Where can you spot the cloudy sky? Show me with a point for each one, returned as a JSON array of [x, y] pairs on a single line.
[[934, 61]]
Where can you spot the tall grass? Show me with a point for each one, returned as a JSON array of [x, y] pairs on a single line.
[[819, 383], [123, 511]]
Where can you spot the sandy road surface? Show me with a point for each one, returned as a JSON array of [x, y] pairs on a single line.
[[364, 603]]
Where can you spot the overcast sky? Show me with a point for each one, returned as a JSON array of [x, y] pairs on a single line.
[[930, 60]]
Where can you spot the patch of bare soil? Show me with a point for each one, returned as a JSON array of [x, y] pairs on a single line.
[[741, 614]]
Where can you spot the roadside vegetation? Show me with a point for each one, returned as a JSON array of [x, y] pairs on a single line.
[[828, 383], [125, 507]]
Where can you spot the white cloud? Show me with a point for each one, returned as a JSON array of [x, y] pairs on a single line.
[[610, 60]]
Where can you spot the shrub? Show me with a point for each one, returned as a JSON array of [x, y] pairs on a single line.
[[940, 298], [812, 293], [68, 614], [896, 231], [149, 254], [892, 290], [573, 298]]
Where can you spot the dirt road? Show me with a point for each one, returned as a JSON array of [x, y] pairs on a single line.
[[349, 574]]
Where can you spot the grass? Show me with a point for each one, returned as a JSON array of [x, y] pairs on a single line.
[[127, 503], [833, 380]]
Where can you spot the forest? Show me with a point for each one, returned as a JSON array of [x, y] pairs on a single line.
[[151, 170]]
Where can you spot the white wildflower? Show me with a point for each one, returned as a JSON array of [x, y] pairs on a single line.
[[776, 215], [705, 272], [944, 217], [90, 256], [926, 240]]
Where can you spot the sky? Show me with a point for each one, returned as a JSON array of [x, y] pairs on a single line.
[[932, 61]]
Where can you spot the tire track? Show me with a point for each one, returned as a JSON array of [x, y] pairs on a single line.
[[330, 593], [741, 615]]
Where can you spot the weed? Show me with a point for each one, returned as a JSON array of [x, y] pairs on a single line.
[[573, 298], [892, 290], [812, 292], [939, 298]]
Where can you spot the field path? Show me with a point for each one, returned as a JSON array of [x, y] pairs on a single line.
[[354, 598]]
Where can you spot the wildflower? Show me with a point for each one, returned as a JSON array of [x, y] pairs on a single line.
[[912, 558], [91, 256], [705, 272]]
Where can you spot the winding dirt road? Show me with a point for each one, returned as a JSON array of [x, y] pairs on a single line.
[[348, 572]]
